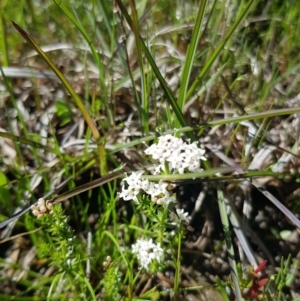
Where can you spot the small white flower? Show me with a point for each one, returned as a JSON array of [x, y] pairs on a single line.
[[183, 216], [179, 217], [160, 194], [147, 251], [166, 199]]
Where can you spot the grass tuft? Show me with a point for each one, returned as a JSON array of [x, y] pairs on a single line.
[[164, 138]]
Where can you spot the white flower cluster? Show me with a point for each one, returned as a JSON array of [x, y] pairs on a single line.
[[41, 208], [178, 155], [147, 251], [171, 151], [134, 186], [158, 192], [174, 156]]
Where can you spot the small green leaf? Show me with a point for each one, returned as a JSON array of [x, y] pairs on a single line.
[[63, 112], [4, 189], [285, 234]]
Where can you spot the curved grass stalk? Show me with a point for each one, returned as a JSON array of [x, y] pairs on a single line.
[[144, 94], [68, 86], [254, 116]]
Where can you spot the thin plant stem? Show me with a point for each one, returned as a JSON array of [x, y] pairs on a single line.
[[178, 264], [230, 250]]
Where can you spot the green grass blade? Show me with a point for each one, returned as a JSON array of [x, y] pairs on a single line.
[[203, 88], [144, 99], [3, 45], [81, 29], [54, 284], [30, 142], [116, 243], [230, 250], [237, 119], [209, 175], [192, 48], [218, 50], [156, 71], [89, 288], [68, 86]]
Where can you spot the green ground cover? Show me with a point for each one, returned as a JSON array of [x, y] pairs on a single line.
[[89, 93]]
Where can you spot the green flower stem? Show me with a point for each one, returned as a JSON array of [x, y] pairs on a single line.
[[178, 265]]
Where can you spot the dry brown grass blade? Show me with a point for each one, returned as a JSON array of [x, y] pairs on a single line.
[[77, 190]]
